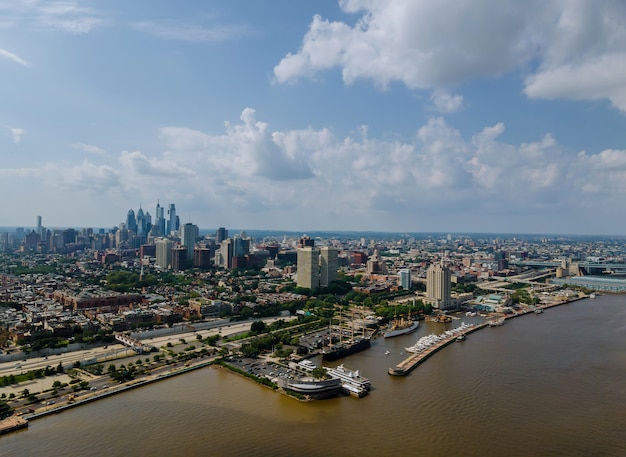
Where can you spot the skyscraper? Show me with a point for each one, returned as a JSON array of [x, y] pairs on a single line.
[[438, 286], [142, 223], [405, 278], [308, 267], [329, 265], [189, 233], [160, 220], [131, 221], [172, 223], [220, 235], [163, 253]]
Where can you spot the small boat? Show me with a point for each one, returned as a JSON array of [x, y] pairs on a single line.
[[461, 337], [538, 310], [387, 352]]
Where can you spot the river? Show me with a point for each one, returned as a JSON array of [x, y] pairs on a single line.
[[540, 385]]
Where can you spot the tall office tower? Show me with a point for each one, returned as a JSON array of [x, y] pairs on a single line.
[[305, 241], [241, 246], [438, 286], [4, 245], [329, 264], [220, 235], [405, 278], [202, 257], [39, 228], [308, 267], [179, 258], [188, 235], [159, 221], [142, 223], [163, 253], [131, 221], [171, 221], [226, 253]]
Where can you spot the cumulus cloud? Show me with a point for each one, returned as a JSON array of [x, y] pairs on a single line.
[[570, 49], [145, 166], [85, 176], [311, 178], [445, 102], [13, 57], [248, 147]]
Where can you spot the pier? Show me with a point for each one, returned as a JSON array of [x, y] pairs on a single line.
[[408, 364], [12, 423]]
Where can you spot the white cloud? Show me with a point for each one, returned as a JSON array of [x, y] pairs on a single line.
[[445, 102], [13, 57], [16, 134], [85, 176], [577, 48], [254, 176], [90, 148]]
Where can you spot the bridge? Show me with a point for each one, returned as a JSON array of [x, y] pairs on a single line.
[[132, 343]]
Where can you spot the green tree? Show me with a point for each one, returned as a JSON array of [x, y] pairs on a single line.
[[319, 373], [258, 327]]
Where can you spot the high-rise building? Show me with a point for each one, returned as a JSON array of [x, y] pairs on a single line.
[[405, 278], [179, 258], [241, 246], [172, 222], [188, 235], [142, 223], [159, 222], [308, 267], [39, 227], [226, 254], [131, 221], [220, 235], [163, 253], [438, 286], [329, 264]]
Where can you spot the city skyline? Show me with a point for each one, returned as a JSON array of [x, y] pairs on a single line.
[[349, 116]]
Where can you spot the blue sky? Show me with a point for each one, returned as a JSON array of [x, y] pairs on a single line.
[[448, 115]]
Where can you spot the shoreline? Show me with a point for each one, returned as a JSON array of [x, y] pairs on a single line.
[[130, 385], [15, 423]]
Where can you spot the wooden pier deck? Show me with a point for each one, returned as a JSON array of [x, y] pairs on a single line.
[[408, 364]]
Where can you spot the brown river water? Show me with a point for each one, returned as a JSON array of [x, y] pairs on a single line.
[[540, 385]]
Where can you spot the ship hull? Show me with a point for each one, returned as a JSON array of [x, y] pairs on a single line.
[[345, 349], [401, 331]]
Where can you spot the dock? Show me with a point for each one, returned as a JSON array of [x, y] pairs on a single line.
[[12, 423], [408, 364]]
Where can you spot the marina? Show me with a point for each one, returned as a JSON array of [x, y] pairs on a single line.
[[428, 345]]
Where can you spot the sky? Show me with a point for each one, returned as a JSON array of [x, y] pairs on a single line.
[[493, 116]]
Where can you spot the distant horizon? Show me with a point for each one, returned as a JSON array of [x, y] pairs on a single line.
[[402, 233]]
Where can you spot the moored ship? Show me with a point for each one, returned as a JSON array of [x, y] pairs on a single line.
[[345, 348], [401, 327], [313, 386], [350, 376]]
